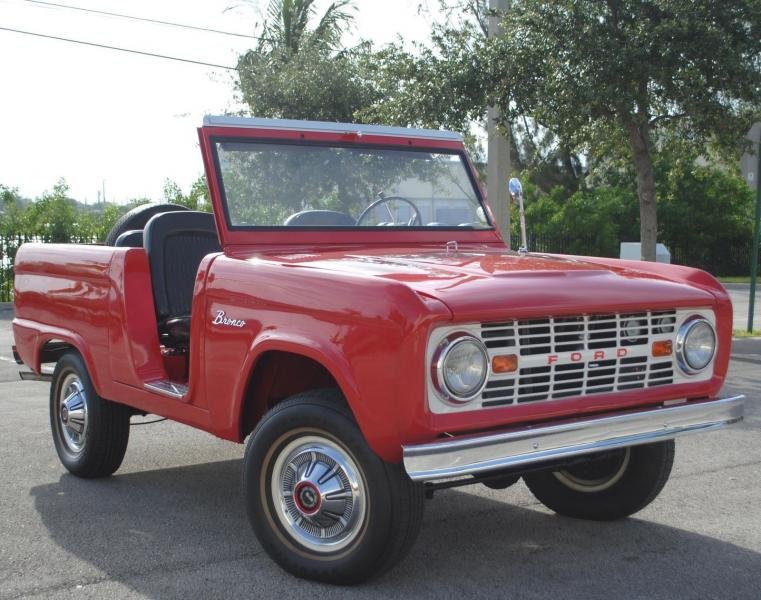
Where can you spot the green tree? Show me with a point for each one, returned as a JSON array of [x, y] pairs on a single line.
[[11, 237], [286, 27], [196, 199], [628, 70], [106, 219], [436, 86], [298, 69], [444, 83], [317, 85], [590, 221], [704, 210], [12, 217], [54, 216]]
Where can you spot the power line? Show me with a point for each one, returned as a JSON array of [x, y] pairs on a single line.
[[141, 52], [145, 19]]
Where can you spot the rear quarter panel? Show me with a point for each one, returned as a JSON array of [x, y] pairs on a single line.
[[64, 287]]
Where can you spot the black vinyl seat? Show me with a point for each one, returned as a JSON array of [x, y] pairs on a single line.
[[175, 243], [130, 239], [320, 217]]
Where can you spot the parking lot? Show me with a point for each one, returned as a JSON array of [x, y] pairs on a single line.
[[171, 523]]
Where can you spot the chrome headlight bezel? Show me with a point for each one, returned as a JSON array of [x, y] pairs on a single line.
[[438, 365], [682, 340]]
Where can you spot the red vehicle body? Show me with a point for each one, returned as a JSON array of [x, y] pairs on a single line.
[[277, 314]]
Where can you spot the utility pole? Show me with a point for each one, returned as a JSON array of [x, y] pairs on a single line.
[[756, 236], [498, 157]]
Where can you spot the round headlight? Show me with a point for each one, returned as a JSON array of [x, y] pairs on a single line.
[[461, 366], [695, 345]]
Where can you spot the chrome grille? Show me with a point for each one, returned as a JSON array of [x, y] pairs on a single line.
[[586, 351]]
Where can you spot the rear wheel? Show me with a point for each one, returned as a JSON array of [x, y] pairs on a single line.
[[322, 504], [90, 434], [612, 486]]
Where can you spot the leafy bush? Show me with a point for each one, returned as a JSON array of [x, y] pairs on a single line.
[[589, 221], [705, 216]]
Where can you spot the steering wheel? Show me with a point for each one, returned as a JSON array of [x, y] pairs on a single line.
[[416, 219]]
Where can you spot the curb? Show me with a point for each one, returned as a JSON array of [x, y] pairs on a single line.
[[6, 310], [737, 287], [748, 345]]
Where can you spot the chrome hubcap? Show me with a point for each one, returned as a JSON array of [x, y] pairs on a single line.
[[72, 413], [596, 478], [318, 493]]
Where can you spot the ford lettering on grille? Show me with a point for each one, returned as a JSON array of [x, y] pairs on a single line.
[[561, 357], [575, 357]]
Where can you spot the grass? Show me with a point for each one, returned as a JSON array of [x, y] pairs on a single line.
[[743, 333], [744, 279]]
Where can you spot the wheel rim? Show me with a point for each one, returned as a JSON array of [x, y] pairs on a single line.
[[318, 493], [596, 477], [72, 413]]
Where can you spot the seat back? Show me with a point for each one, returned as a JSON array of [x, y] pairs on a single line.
[[320, 217], [130, 239], [175, 243]]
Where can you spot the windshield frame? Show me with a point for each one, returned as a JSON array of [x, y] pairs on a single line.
[[215, 140], [210, 135]]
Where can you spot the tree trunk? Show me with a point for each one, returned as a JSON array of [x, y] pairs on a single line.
[[639, 139]]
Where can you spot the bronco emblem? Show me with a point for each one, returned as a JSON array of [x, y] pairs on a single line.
[[222, 319]]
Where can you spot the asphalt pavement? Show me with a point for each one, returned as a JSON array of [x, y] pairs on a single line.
[[740, 295], [171, 522]]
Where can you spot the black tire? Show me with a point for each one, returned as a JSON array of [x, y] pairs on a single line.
[[137, 218], [621, 484], [391, 512], [98, 450], [500, 482]]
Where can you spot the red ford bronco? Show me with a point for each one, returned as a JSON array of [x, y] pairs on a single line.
[[351, 309]]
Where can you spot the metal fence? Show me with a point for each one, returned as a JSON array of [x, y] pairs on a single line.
[[732, 259]]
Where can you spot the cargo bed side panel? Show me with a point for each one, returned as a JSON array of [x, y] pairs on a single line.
[[62, 292]]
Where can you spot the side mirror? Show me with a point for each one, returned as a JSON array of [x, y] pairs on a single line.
[[516, 193], [515, 188]]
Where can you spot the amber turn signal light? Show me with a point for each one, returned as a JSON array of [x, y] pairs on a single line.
[[664, 348], [504, 364]]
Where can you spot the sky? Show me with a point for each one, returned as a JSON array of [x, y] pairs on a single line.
[[123, 123]]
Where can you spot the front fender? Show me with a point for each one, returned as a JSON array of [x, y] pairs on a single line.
[[331, 359]]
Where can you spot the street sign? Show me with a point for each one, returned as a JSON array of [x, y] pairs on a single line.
[[748, 161]]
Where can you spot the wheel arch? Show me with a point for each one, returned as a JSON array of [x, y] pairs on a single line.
[[52, 345], [269, 359]]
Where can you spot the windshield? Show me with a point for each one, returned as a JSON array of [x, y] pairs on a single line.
[[290, 185]]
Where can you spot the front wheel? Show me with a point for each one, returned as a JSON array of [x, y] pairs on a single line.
[[90, 434], [612, 486], [322, 504]]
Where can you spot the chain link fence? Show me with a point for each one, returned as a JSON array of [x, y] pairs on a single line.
[[732, 259]]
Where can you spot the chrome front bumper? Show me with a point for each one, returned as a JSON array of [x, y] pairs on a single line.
[[467, 455]]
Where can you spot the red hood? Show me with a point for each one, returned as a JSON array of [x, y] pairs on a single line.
[[487, 283]]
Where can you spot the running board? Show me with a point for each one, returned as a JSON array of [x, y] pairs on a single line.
[[165, 387], [32, 376]]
